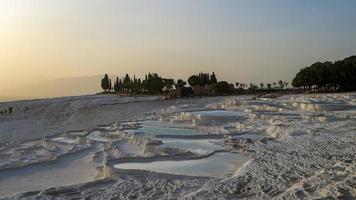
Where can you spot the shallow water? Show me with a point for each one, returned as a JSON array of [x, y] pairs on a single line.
[[101, 136], [64, 140], [201, 147], [217, 165], [253, 136], [151, 130], [126, 147], [217, 117], [68, 170], [78, 133], [221, 113]]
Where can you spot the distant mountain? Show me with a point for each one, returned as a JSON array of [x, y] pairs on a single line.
[[70, 86]]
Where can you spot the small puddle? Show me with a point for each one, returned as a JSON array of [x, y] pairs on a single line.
[[217, 165]]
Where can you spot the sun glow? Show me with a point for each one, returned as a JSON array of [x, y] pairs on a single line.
[[12, 11], [68, 38]]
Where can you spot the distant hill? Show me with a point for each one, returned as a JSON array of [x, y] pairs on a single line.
[[53, 88]]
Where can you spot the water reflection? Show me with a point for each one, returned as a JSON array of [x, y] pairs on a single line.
[[217, 165]]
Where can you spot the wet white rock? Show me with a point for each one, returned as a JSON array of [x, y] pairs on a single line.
[[312, 155]]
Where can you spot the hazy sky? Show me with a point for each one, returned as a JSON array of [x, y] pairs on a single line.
[[241, 40]]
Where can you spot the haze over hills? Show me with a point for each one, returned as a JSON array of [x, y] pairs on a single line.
[[69, 86]]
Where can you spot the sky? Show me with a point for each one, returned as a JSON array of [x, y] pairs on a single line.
[[240, 40]]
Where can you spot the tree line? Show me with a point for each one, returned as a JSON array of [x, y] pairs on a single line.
[[202, 79], [8, 111], [319, 77], [328, 76], [152, 84], [155, 84], [279, 85]]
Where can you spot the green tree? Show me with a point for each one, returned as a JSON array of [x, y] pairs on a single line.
[[153, 83], [127, 83], [274, 85], [213, 79], [328, 76], [281, 84], [117, 85], [10, 110], [286, 84], [262, 86], [194, 80], [237, 84], [105, 83], [223, 87], [180, 83], [253, 87], [110, 85], [204, 79], [168, 83]]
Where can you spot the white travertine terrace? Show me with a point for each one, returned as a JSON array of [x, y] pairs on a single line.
[[305, 147]]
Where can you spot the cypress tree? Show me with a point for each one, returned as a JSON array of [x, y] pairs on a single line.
[[105, 83], [213, 79], [110, 85]]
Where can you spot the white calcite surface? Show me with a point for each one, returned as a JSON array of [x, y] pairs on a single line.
[[305, 148], [64, 140]]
